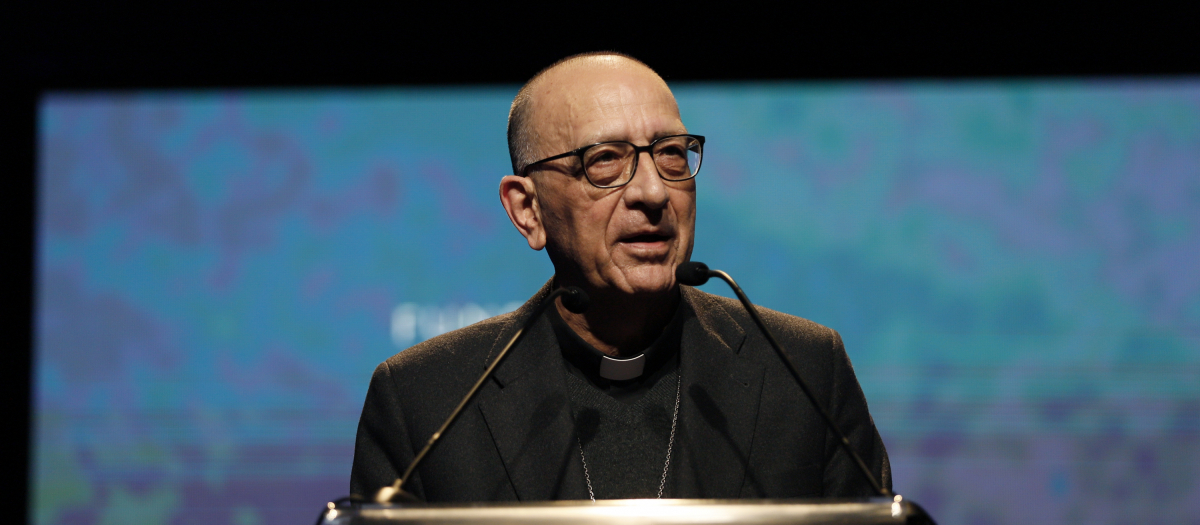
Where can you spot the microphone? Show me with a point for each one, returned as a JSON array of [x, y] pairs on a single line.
[[574, 299], [694, 273]]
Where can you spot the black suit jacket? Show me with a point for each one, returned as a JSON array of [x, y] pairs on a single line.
[[745, 428]]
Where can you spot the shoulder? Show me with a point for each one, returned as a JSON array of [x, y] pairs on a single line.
[[450, 354], [817, 351], [442, 362], [791, 331], [717, 309]]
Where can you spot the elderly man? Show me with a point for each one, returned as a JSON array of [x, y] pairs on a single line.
[[658, 389]]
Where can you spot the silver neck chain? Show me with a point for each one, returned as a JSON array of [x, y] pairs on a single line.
[[662, 483]]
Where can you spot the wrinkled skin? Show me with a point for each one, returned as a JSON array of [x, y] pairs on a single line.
[[621, 245]]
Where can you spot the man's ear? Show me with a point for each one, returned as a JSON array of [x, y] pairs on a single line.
[[519, 197]]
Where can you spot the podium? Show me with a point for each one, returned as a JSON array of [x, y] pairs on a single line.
[[633, 512]]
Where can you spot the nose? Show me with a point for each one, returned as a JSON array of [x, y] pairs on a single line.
[[646, 189]]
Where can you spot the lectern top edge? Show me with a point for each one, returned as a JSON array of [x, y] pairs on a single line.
[[640, 512]]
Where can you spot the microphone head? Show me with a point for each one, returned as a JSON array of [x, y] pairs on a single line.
[[575, 299], [692, 273]]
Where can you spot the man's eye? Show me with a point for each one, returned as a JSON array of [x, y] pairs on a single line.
[[604, 157], [671, 151]]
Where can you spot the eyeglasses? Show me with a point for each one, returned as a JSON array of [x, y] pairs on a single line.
[[612, 164]]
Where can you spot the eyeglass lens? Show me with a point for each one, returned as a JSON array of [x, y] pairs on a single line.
[[613, 163]]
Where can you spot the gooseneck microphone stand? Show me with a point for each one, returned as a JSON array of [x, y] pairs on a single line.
[[697, 273], [573, 298]]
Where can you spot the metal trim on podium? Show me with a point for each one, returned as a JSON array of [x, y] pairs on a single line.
[[633, 512]]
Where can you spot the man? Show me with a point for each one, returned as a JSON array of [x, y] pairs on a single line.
[[657, 390]]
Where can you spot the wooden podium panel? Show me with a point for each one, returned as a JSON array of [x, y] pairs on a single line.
[[634, 512]]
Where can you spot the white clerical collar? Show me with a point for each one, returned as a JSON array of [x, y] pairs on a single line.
[[596, 364], [622, 369]]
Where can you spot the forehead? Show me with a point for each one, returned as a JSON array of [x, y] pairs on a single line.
[[609, 98]]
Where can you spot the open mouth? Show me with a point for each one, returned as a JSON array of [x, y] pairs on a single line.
[[647, 238]]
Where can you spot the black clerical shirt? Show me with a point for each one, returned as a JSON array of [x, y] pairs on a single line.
[[623, 426]]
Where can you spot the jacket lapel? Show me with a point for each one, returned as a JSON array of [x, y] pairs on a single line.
[[528, 414], [719, 405]]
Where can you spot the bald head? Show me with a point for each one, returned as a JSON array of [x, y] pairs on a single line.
[[565, 83]]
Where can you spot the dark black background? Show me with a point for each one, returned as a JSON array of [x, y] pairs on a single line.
[[64, 46]]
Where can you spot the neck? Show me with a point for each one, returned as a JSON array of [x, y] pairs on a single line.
[[622, 325]]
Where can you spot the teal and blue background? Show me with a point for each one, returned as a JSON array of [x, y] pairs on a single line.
[[1013, 266]]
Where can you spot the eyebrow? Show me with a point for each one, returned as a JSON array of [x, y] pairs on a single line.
[[655, 137]]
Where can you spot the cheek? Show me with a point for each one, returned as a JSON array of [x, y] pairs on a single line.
[[684, 204], [580, 222], [596, 218]]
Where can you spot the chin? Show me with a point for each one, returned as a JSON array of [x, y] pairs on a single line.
[[649, 279]]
